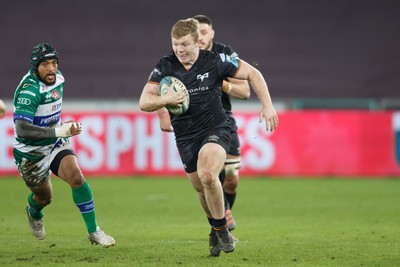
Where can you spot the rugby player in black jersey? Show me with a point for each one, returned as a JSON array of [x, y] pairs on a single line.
[[202, 133], [236, 88]]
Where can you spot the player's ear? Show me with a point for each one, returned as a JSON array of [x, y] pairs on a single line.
[[212, 34]]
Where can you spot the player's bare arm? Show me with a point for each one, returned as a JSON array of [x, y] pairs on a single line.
[[27, 130], [259, 85], [151, 101], [165, 120], [236, 88]]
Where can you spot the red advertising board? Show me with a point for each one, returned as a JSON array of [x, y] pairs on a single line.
[[307, 143]]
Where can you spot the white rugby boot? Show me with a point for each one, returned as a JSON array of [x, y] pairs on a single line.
[[101, 238], [36, 226]]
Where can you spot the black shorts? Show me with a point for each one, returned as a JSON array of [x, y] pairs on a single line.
[[234, 149], [189, 149]]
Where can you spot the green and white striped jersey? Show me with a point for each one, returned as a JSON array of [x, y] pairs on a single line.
[[38, 104]]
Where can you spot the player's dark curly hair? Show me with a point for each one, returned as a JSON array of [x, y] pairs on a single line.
[[203, 19], [184, 27]]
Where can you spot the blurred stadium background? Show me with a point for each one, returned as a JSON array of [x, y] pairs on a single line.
[[332, 68]]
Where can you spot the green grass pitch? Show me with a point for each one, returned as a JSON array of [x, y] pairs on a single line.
[[159, 222]]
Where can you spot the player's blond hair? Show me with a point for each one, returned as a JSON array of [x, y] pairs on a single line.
[[184, 27]]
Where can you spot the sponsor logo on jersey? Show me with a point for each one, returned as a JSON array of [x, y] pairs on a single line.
[[234, 55], [225, 57], [23, 101], [198, 89], [202, 77], [56, 107], [155, 71], [50, 120]]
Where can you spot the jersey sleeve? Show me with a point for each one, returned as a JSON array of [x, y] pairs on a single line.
[[228, 65], [162, 69], [26, 102], [230, 52]]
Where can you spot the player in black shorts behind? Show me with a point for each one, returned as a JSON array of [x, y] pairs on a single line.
[[239, 89], [202, 133]]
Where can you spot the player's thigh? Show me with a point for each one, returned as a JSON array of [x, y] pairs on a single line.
[[64, 163], [211, 158], [70, 172], [213, 151]]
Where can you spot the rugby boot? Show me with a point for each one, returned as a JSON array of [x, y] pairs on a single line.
[[225, 240], [215, 247], [35, 225], [101, 238]]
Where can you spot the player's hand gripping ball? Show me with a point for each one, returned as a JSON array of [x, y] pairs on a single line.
[[163, 88]]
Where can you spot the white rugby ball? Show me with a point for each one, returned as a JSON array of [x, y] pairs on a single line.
[[163, 88]]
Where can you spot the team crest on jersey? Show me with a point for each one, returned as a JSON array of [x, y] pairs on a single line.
[[202, 77], [55, 94]]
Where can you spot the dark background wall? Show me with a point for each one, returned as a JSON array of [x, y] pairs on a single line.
[[331, 48]]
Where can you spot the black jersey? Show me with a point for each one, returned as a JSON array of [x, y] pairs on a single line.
[[222, 48], [203, 81]]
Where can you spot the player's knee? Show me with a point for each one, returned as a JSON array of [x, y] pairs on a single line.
[[232, 167], [231, 186], [205, 177], [44, 201], [76, 178]]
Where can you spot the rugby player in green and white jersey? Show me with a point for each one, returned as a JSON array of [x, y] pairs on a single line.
[[41, 144], [3, 109]]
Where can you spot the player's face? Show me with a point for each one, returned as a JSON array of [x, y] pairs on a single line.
[[206, 36], [47, 71], [185, 49]]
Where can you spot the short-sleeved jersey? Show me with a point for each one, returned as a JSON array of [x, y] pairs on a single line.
[[40, 105], [222, 48], [203, 81]]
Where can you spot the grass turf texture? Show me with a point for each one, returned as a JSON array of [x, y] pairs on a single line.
[[159, 222]]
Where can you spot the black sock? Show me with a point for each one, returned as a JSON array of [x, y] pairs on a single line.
[[221, 177], [219, 224], [226, 203], [230, 198]]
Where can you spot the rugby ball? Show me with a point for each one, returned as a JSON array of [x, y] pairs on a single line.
[[163, 88]]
